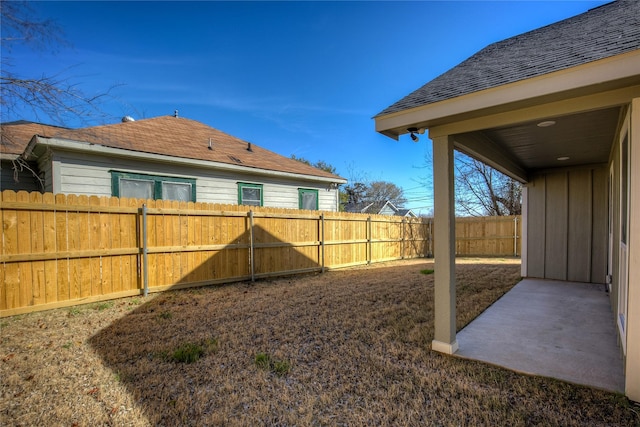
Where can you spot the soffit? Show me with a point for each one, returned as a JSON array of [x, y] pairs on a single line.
[[585, 138]]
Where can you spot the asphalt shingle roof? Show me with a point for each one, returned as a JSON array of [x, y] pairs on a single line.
[[167, 135], [15, 136], [608, 30]]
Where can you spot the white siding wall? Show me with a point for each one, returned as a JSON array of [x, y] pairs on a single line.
[[80, 174]]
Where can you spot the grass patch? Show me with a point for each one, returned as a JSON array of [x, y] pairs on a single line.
[[265, 362], [427, 271], [103, 305], [190, 352], [74, 311], [187, 353]]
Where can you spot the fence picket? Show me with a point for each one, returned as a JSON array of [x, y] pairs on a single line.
[[24, 246], [11, 271]]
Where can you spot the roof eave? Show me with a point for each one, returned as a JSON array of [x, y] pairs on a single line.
[[591, 76], [79, 146]]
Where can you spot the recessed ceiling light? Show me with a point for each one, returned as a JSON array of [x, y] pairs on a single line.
[[563, 158], [546, 123]]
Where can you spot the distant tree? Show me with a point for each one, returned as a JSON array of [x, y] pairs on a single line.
[[382, 191], [376, 192], [320, 164], [50, 95], [482, 190], [355, 193]]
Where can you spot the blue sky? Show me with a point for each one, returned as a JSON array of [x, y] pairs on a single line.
[[302, 78]]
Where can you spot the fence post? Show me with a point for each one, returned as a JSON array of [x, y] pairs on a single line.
[[430, 238], [402, 236], [515, 236], [369, 238], [251, 248], [145, 251], [322, 242]]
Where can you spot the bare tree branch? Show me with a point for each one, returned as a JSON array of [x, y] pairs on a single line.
[[51, 98], [481, 190]]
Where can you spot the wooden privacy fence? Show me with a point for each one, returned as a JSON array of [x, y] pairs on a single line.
[[489, 235], [62, 250]]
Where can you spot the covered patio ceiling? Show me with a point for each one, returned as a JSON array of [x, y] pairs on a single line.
[[555, 141]]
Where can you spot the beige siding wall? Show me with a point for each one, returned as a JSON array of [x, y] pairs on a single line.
[[90, 176], [567, 229], [599, 231]]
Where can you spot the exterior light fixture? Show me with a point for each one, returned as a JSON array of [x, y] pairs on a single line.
[[546, 124], [413, 132]]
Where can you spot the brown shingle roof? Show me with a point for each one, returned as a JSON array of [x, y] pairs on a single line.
[[189, 139], [14, 136]]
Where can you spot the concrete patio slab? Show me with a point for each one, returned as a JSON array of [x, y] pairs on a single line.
[[555, 329]]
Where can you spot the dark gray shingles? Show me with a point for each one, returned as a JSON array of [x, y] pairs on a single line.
[[602, 32]]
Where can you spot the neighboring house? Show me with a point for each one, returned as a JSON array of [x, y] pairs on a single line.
[[161, 158], [386, 208], [16, 172], [558, 109]]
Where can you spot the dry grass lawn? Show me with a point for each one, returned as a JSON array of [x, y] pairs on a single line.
[[349, 347]]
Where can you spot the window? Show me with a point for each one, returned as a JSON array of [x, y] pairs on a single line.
[[141, 186], [249, 194], [308, 199]]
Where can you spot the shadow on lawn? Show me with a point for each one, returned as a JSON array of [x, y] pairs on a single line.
[[236, 322], [151, 348]]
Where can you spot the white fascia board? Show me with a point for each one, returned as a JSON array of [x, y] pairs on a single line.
[[12, 157], [619, 67], [80, 146]]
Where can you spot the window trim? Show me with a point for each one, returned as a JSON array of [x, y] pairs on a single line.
[[157, 180], [301, 192], [242, 185]]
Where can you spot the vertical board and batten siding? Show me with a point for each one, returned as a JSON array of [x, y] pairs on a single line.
[[78, 174], [61, 250], [599, 230], [567, 225], [557, 220]]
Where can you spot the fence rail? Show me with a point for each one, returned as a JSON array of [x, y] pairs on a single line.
[[61, 250]]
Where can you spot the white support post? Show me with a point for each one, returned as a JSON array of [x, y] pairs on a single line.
[[444, 250]]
